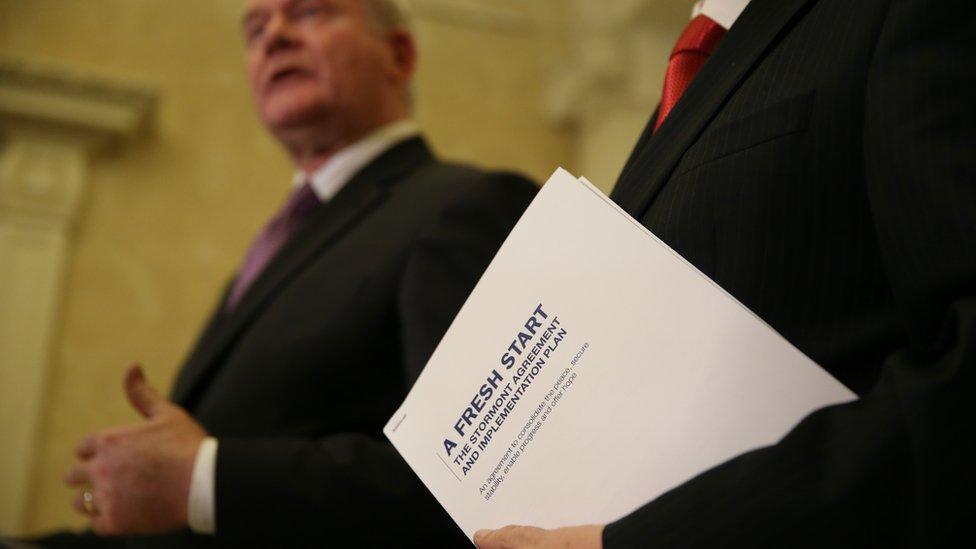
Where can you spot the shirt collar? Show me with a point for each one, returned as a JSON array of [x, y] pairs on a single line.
[[333, 175], [723, 12]]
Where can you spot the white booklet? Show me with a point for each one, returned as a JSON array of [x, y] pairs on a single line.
[[591, 370]]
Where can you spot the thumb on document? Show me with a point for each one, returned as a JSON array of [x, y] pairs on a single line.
[[531, 537]]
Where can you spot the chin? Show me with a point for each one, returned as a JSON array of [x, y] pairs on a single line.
[[287, 112]]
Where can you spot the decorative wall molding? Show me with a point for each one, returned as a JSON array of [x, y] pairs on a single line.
[[41, 182], [67, 103], [51, 121]]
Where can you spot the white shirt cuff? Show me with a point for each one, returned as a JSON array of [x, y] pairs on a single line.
[[200, 510]]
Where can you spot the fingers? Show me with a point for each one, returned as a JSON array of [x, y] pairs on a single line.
[[82, 506], [79, 475], [102, 521], [481, 538], [530, 537], [490, 539], [143, 396], [509, 536], [86, 448], [78, 502]]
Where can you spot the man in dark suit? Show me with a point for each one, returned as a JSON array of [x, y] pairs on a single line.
[[821, 167], [273, 434]]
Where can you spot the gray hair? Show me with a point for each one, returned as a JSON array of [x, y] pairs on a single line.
[[386, 14]]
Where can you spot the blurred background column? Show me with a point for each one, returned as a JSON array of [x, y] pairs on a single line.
[[50, 125], [611, 80]]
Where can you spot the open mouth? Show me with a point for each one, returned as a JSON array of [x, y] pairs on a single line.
[[286, 75]]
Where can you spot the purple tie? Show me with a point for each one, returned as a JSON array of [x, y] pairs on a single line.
[[282, 227]]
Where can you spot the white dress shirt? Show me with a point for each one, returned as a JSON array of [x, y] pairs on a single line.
[[326, 182], [723, 12], [332, 176]]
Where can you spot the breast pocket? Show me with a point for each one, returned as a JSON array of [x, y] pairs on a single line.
[[743, 133]]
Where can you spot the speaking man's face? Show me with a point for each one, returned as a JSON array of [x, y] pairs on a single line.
[[315, 60]]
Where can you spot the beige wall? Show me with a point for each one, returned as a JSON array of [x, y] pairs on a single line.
[[167, 218]]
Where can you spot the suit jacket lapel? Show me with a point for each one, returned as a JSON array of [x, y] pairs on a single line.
[[655, 158], [326, 225]]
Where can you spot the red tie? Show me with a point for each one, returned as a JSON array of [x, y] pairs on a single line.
[[697, 42]]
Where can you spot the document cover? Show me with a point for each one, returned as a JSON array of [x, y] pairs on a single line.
[[591, 370]]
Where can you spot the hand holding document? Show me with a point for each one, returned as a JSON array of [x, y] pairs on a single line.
[[591, 370]]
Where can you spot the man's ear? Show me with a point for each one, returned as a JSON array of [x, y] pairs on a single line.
[[404, 49]]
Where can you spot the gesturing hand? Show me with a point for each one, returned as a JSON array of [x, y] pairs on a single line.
[[137, 477]]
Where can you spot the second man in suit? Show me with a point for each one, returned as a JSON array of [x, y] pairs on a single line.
[[820, 167]]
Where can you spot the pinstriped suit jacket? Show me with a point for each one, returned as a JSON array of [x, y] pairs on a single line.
[[822, 168]]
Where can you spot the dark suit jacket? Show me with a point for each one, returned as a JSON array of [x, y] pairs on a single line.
[[298, 382], [822, 169]]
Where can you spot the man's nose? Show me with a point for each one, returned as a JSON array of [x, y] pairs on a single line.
[[279, 33]]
